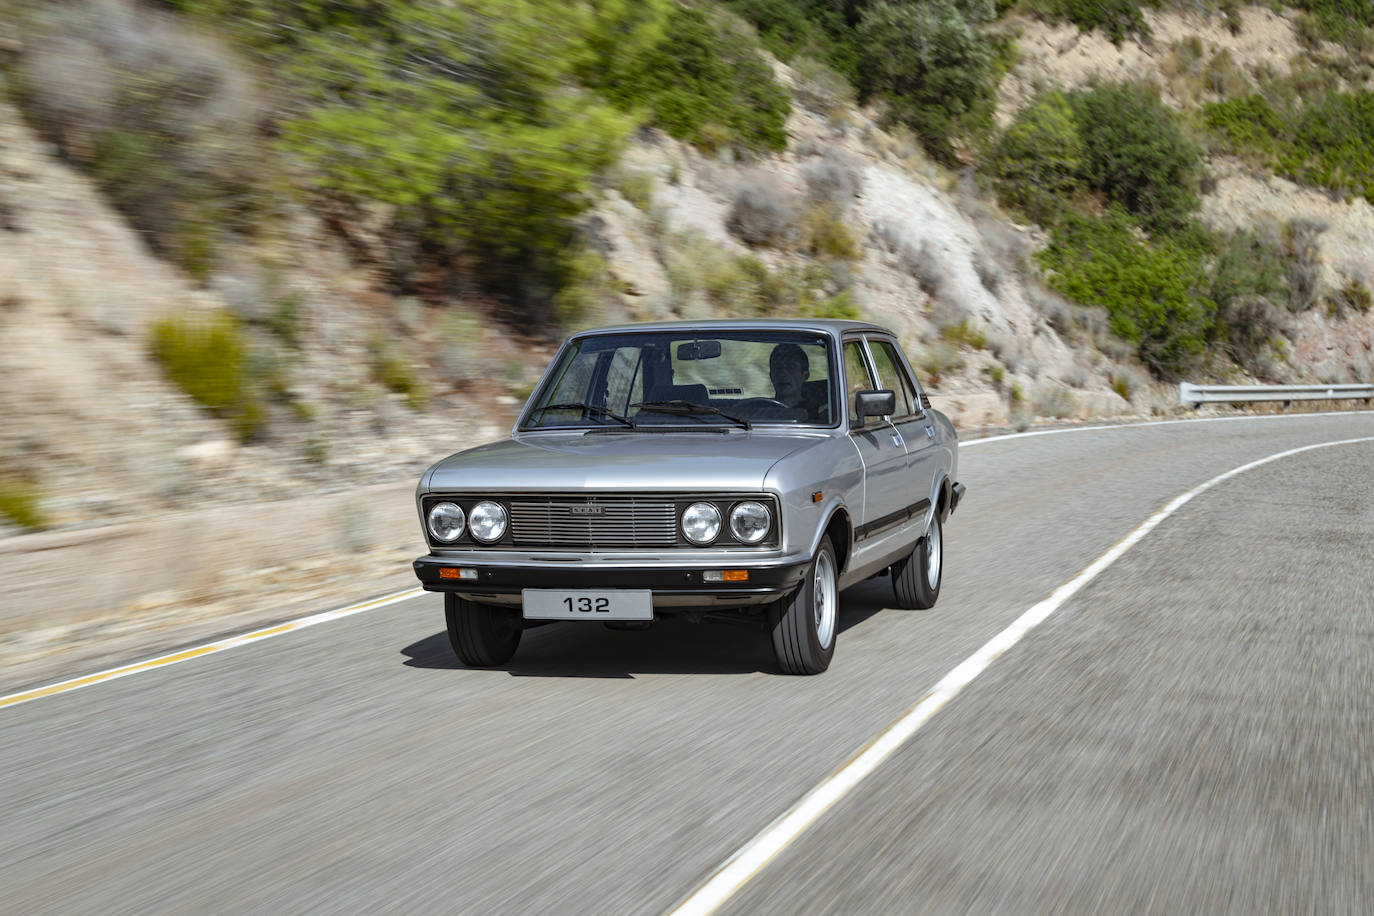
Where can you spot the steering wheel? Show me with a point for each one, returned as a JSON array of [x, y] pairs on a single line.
[[753, 403]]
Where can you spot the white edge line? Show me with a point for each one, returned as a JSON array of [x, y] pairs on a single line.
[[739, 868], [209, 648]]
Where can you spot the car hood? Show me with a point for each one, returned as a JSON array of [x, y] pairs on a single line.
[[734, 460]]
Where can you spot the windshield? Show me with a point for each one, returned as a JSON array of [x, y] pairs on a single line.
[[730, 378]]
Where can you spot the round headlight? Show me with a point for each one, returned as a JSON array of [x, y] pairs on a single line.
[[701, 523], [487, 522], [446, 522], [750, 521]]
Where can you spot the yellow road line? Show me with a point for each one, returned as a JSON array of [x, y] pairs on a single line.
[[219, 645]]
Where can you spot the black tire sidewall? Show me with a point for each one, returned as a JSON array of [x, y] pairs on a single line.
[[796, 642], [482, 636]]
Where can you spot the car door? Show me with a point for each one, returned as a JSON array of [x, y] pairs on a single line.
[[880, 448], [912, 421]]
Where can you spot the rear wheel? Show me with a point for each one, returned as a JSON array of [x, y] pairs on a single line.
[[916, 577], [481, 635], [804, 624]]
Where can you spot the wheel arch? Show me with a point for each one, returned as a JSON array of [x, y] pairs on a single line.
[[840, 528]]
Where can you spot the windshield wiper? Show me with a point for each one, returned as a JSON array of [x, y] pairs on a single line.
[[578, 405], [688, 409]]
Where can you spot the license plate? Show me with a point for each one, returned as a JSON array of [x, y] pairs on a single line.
[[584, 604]]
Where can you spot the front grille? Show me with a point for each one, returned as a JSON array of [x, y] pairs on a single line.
[[623, 521]]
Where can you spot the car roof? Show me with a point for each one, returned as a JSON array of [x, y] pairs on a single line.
[[836, 326]]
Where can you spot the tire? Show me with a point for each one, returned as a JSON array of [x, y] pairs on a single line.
[[916, 577], [804, 624], [481, 635]]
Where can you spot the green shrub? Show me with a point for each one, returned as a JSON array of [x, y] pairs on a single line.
[[1038, 159], [1246, 281], [463, 121], [1120, 19], [285, 319], [208, 357], [1333, 144], [636, 186], [1249, 124], [824, 233], [932, 65], [1135, 154], [1054, 401], [392, 368], [821, 88], [1354, 296], [1146, 288], [840, 305], [705, 82], [997, 372], [587, 286], [1320, 137], [820, 29], [1121, 386], [1224, 77], [964, 334], [784, 26], [1344, 21], [19, 499]]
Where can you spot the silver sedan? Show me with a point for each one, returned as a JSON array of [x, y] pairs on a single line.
[[745, 471]]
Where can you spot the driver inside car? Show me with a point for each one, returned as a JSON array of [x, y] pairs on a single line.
[[789, 369]]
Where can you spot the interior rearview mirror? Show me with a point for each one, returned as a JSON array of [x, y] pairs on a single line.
[[698, 349]]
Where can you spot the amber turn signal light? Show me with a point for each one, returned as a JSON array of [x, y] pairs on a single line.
[[725, 575]]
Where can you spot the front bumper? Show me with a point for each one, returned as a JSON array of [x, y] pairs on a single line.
[[673, 585]]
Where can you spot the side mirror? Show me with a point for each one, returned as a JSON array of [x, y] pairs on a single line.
[[875, 403]]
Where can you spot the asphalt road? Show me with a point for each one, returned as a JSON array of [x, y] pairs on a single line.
[[1192, 732]]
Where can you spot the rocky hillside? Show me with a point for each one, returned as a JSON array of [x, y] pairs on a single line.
[[290, 329]]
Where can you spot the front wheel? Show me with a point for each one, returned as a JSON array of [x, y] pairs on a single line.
[[481, 635], [916, 577], [804, 624]]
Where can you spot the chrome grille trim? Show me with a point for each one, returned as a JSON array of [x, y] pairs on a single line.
[[625, 521]]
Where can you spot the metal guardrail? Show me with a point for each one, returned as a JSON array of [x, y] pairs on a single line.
[[1196, 395]]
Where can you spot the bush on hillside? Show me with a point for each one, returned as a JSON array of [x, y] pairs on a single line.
[[704, 82], [932, 65], [208, 357], [1327, 141], [1247, 284], [461, 121], [1148, 288], [1333, 144], [1038, 160], [1120, 19], [762, 212], [1135, 154], [1344, 21]]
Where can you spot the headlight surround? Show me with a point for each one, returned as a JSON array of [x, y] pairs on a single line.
[[701, 523], [445, 521], [750, 521], [487, 521]]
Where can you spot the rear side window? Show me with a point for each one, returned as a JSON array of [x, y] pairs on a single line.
[[892, 375]]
